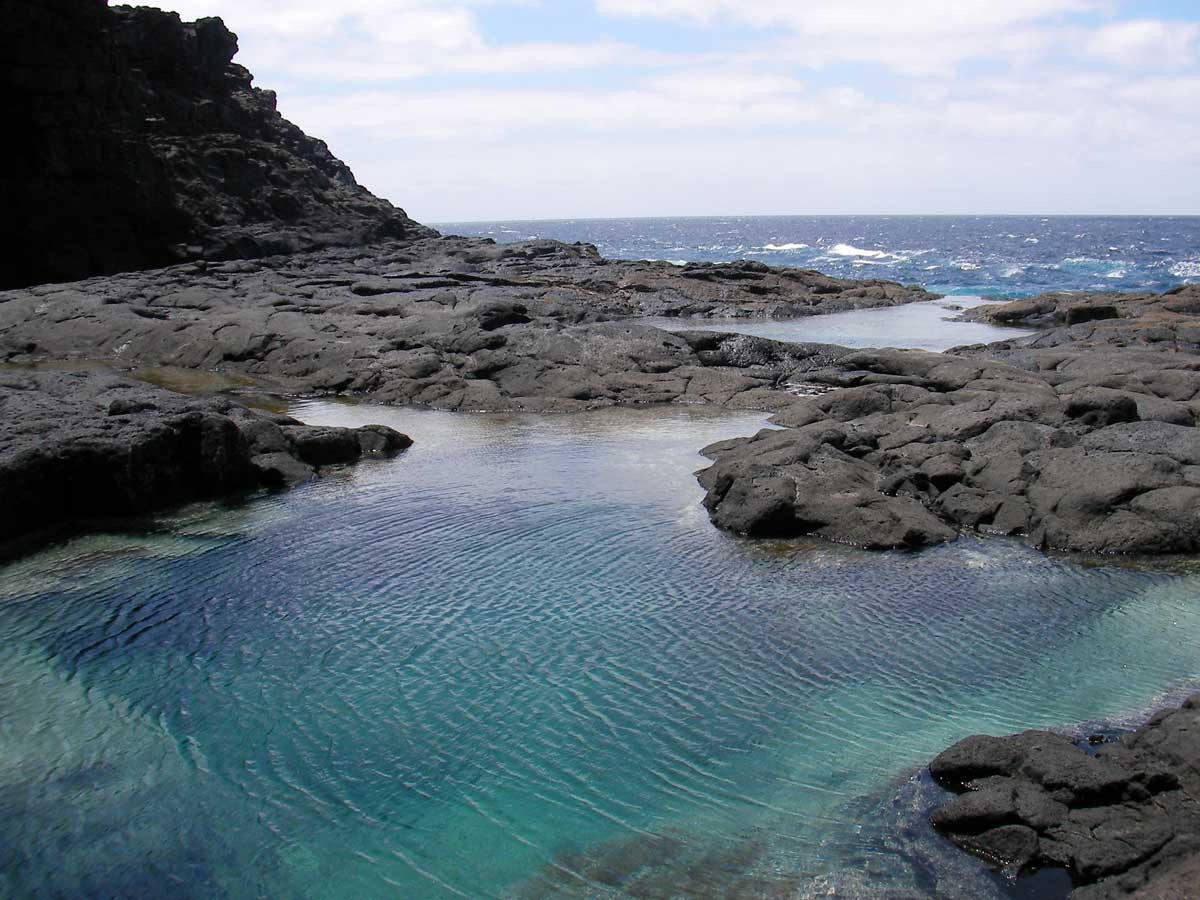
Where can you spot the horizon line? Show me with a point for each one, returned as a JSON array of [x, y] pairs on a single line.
[[585, 218]]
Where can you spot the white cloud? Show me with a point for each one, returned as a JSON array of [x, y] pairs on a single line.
[[1145, 43], [341, 65], [359, 41], [916, 37], [418, 22], [696, 101]]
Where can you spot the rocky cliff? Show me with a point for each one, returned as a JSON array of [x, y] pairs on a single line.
[[136, 142]]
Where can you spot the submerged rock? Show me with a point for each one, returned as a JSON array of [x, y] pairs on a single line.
[[77, 446], [1124, 820]]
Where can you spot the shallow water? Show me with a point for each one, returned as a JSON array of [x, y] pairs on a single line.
[[927, 325], [519, 662]]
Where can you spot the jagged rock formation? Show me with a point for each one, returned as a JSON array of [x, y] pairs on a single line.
[[134, 141], [84, 445], [1124, 819], [1079, 438]]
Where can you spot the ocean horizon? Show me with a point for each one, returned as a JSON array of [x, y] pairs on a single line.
[[989, 256]]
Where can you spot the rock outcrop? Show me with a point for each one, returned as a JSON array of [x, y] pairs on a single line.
[[1122, 816], [134, 141], [78, 446], [1078, 438], [452, 323]]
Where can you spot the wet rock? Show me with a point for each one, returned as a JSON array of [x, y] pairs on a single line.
[[528, 327], [1125, 821], [77, 446]]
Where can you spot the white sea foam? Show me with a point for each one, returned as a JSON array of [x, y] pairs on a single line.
[[784, 247], [1188, 268], [1031, 240], [851, 250], [1013, 272]]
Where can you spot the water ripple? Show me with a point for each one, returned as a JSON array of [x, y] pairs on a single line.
[[448, 677]]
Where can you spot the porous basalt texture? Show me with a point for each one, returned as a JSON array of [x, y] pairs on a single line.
[[1123, 819], [79, 446], [133, 140], [1079, 438]]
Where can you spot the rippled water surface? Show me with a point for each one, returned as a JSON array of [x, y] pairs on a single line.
[[519, 662], [990, 255]]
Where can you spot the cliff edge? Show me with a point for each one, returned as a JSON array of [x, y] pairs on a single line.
[[136, 142]]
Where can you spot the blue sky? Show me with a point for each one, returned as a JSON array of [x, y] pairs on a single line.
[[493, 109]]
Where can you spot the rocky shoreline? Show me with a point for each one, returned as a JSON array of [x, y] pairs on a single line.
[[164, 214], [1079, 438], [1121, 816], [141, 143], [81, 447], [450, 323]]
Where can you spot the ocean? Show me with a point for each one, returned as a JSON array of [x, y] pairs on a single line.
[[990, 256]]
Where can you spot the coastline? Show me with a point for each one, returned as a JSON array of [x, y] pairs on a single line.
[[1113, 805], [1079, 437]]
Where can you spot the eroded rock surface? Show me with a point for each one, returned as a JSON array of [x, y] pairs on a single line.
[[1079, 438], [1124, 819], [451, 323], [78, 446]]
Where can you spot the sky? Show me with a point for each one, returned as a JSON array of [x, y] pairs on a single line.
[[481, 110]]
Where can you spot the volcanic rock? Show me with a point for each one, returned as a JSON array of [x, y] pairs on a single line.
[[78, 446], [1124, 820], [133, 140]]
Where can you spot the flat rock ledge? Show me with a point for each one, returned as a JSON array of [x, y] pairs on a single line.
[[451, 323], [1123, 817], [1080, 438], [80, 446]]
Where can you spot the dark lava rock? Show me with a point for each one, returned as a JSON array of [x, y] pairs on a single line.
[[1124, 821], [452, 323], [76, 446], [1079, 438], [134, 141]]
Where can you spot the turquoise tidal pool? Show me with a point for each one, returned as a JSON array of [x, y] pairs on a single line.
[[518, 661]]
